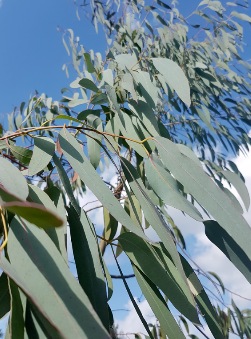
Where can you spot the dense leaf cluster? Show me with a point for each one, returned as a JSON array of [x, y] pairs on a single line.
[[164, 107]]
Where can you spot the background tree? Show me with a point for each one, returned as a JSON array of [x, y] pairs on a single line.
[[165, 107]]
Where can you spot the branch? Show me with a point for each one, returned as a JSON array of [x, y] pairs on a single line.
[[124, 276]]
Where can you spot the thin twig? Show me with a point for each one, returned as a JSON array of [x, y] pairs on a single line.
[[124, 276]]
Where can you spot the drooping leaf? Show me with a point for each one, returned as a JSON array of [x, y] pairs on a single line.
[[202, 300], [241, 16], [35, 213], [90, 177], [110, 225], [56, 234], [12, 179], [110, 141], [88, 262], [146, 114], [66, 183], [84, 114], [54, 291], [22, 154], [67, 117], [240, 186], [4, 295], [174, 77], [151, 213], [126, 61], [107, 78], [158, 305], [127, 83], [131, 133], [43, 151], [88, 84], [220, 283], [167, 189], [206, 192], [17, 316], [149, 90], [89, 64], [112, 97], [143, 256], [94, 139], [99, 99], [229, 246]]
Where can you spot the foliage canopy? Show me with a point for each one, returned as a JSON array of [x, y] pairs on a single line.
[[164, 107]]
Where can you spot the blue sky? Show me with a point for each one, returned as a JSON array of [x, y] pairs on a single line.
[[32, 55]]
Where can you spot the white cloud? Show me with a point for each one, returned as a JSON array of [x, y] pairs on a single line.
[[1, 3], [131, 323]]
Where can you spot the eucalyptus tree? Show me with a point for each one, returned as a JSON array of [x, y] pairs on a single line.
[[164, 107]]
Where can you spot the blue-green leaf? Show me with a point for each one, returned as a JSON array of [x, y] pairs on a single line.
[[88, 84], [197, 183], [174, 77], [12, 179], [4, 295], [43, 151], [90, 177], [205, 306], [239, 185], [38, 269], [142, 254], [88, 262], [232, 250], [158, 305], [167, 189]]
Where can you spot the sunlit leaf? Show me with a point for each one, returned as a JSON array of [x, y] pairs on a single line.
[[82, 166], [88, 84], [34, 213], [88, 263], [33, 254], [43, 151], [230, 247], [203, 189], [158, 305], [143, 256], [174, 77], [12, 179]]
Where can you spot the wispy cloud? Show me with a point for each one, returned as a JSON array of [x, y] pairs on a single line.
[[1, 3]]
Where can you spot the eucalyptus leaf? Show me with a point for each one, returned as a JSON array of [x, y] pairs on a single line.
[[12, 179], [202, 188], [88, 84], [174, 77], [43, 151], [31, 252], [87, 173]]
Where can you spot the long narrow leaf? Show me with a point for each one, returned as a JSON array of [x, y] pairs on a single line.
[[40, 271], [232, 250], [206, 192], [205, 306], [166, 188], [90, 177], [158, 305], [4, 295], [12, 179], [87, 259], [143, 256], [43, 151], [151, 213]]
